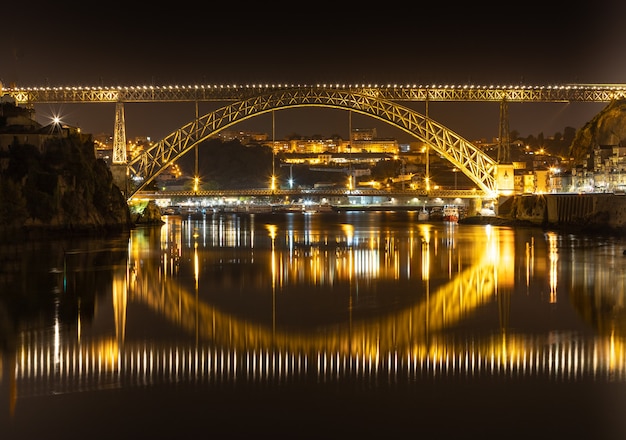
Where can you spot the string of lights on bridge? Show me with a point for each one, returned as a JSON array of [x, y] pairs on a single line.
[[389, 91], [618, 87]]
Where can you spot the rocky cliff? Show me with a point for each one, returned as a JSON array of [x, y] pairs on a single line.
[[147, 214], [607, 128], [59, 188]]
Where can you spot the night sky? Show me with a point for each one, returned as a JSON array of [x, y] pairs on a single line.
[[112, 44]]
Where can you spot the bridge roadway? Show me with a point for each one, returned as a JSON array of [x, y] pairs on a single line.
[[322, 192], [391, 92]]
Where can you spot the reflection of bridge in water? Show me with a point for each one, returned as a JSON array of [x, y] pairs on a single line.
[[105, 364], [405, 345]]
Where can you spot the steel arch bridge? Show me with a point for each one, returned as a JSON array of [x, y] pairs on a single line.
[[478, 166]]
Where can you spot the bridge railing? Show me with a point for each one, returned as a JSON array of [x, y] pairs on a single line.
[[391, 92], [331, 192]]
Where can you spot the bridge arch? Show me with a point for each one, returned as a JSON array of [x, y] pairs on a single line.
[[475, 164]]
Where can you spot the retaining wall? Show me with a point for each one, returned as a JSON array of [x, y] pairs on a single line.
[[576, 210]]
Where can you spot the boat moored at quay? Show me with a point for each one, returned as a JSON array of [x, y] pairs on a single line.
[[450, 214]]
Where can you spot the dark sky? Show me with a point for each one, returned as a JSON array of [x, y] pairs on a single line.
[[532, 43]]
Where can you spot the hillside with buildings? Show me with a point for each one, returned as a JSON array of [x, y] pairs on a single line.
[[601, 143]]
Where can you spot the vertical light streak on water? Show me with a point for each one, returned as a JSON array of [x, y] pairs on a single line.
[[221, 364], [203, 364], [553, 256], [196, 363], [248, 366], [577, 360], [72, 366], [319, 366], [254, 363], [80, 364], [374, 363], [595, 358], [234, 365], [146, 366], [568, 361], [97, 364]]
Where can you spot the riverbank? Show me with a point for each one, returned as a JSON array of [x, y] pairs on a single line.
[[603, 214]]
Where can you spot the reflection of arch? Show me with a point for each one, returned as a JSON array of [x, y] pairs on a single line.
[[469, 290], [479, 167]]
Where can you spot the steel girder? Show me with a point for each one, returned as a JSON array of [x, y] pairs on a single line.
[[119, 137], [315, 192], [478, 166], [221, 92]]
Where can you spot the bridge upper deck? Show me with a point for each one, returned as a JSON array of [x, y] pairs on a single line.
[[391, 92]]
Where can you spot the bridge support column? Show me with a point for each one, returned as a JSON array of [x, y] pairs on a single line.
[[120, 177], [504, 146], [119, 136], [474, 206]]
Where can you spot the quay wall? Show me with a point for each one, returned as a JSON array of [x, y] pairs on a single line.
[[584, 211]]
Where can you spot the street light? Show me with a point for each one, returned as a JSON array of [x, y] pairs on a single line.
[[273, 183]]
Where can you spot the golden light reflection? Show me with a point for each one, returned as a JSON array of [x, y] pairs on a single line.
[[425, 251], [553, 257], [410, 341], [272, 231], [120, 304], [529, 262], [506, 258], [196, 264], [102, 364]]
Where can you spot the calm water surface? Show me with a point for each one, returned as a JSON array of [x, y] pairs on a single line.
[[314, 326]]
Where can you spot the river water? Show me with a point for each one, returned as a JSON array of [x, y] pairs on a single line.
[[323, 325]]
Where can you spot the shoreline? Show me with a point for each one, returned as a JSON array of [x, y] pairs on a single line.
[[574, 228]]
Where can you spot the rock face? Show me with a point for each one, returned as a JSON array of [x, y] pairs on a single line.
[[150, 215], [60, 188], [607, 128]]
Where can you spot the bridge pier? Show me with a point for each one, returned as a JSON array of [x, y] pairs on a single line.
[[474, 206], [120, 177]]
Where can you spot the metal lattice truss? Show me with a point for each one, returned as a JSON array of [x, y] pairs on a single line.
[[119, 138], [478, 166], [391, 92]]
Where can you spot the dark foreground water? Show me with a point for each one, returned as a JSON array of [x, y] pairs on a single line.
[[314, 326]]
